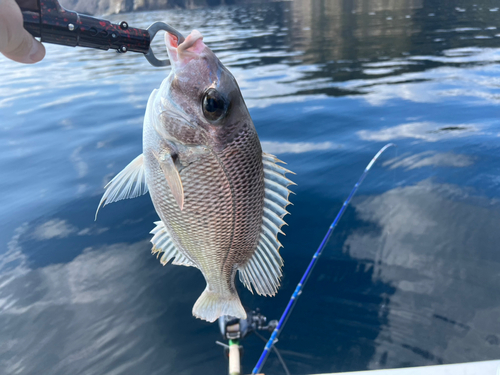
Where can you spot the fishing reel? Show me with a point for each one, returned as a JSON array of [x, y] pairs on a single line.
[[233, 328]]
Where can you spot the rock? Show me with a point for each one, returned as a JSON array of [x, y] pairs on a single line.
[[121, 6]]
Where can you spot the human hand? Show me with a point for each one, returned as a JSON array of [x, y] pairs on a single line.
[[15, 42]]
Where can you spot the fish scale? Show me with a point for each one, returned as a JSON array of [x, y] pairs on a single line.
[[244, 171], [192, 237]]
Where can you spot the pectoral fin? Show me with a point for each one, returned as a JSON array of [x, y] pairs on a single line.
[[172, 176], [129, 183]]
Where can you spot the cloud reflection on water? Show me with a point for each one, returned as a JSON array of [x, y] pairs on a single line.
[[55, 228], [295, 147], [429, 159], [425, 131], [436, 244], [106, 311]]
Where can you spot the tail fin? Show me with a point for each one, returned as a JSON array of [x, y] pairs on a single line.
[[210, 306]]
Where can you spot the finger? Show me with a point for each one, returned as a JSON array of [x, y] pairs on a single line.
[[15, 42], [28, 5], [26, 49]]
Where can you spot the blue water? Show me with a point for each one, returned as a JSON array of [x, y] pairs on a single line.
[[411, 276]]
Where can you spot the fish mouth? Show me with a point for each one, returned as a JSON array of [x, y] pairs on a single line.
[[188, 50]]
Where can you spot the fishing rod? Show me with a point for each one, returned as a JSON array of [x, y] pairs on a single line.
[[300, 286]]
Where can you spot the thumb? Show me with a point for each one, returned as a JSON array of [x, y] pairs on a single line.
[[15, 42], [25, 49]]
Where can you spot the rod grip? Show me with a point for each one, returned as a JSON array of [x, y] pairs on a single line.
[[32, 23], [234, 359]]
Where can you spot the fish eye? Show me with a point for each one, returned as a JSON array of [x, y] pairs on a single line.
[[214, 105]]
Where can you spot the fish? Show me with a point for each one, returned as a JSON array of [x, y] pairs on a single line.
[[221, 200]]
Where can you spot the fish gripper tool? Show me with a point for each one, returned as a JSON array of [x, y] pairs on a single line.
[[49, 21]]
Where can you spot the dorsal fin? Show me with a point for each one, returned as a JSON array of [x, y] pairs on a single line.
[[263, 270], [129, 183], [162, 243]]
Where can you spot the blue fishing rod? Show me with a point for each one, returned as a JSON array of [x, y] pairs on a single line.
[[300, 286]]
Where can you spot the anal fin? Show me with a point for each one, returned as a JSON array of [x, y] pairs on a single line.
[[162, 243]]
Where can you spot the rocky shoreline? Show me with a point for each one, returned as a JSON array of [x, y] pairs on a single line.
[[94, 7]]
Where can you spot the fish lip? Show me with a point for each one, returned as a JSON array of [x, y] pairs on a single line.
[[181, 54]]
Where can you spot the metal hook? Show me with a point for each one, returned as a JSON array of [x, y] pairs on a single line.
[[153, 30]]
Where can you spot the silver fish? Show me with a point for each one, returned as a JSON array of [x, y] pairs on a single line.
[[221, 200]]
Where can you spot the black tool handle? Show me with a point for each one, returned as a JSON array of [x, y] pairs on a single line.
[[54, 24]]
